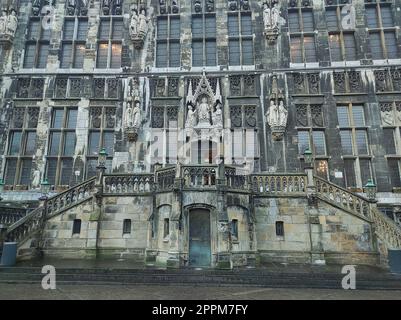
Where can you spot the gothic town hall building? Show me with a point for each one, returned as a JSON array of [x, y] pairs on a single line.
[[211, 133]]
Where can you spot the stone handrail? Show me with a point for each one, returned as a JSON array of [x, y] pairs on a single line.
[[274, 184], [235, 179], [70, 197], [386, 229], [25, 227], [165, 179], [128, 183], [9, 215], [342, 197], [199, 176]]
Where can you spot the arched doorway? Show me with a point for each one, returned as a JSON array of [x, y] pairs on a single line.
[[199, 238]]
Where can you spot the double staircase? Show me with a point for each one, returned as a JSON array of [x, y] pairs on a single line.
[[261, 184]]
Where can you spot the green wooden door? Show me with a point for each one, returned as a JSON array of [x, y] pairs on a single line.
[[199, 238]]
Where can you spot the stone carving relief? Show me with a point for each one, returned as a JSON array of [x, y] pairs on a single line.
[[381, 80], [8, 26], [198, 5], [37, 5], [138, 26], [77, 7], [276, 114], [396, 77], [133, 113], [112, 7], [271, 20], [236, 116], [171, 7], [204, 105], [235, 5], [386, 112]]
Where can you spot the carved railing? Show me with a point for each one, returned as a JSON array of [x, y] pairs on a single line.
[[199, 176], [128, 183], [236, 179], [342, 197], [276, 184], [386, 229], [10, 215], [25, 227], [70, 197], [165, 179]]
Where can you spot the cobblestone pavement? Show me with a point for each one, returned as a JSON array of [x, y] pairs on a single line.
[[139, 292]]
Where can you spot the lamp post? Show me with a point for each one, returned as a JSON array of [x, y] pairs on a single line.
[[1, 188], [101, 164], [44, 189], [308, 157], [370, 189], [310, 190]]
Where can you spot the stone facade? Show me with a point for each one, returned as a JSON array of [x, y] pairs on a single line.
[[169, 83]]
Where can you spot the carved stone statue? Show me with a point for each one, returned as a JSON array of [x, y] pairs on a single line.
[[217, 117], [272, 115], [12, 23], [283, 114], [203, 112], [275, 16], [271, 20], [106, 6], [71, 5], [118, 7], [266, 16], [134, 24], [3, 22], [136, 115], [387, 117], [138, 28], [83, 7], [36, 180], [128, 117], [191, 118], [142, 23], [36, 6]]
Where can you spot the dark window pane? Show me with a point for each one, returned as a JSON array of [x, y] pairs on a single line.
[[280, 228], [94, 147], [361, 141], [162, 28], [335, 48], [117, 29], [76, 227], [161, 55], [364, 165], [69, 144], [346, 142], [66, 55], [331, 19], [246, 24], [127, 226], [387, 16], [91, 168], [15, 143], [174, 54], [72, 118], [102, 54], [234, 51], [371, 17], [42, 55], [34, 30], [343, 118], [349, 173], [350, 47], [303, 141], [197, 27], [359, 117], [310, 49], [197, 53], [234, 229], [175, 27], [376, 45], [108, 142], [54, 143], [394, 169], [57, 120], [79, 55], [68, 32], [210, 53], [66, 172], [11, 169], [51, 171], [307, 17], [319, 143], [210, 27], [82, 30], [115, 56], [30, 52], [26, 167], [30, 146], [296, 52], [233, 25], [293, 21], [388, 135], [391, 45], [104, 30], [247, 52]]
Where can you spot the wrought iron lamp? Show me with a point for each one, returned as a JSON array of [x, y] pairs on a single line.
[[370, 189]]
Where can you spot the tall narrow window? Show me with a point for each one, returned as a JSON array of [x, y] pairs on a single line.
[[168, 48], [354, 144], [204, 52], [382, 31], [36, 45], [240, 42], [166, 231], [21, 146], [279, 228], [61, 148], [110, 43], [302, 38], [234, 229], [73, 43], [101, 135], [76, 226], [127, 226]]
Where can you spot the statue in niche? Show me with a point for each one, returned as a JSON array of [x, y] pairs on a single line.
[[217, 117], [83, 7], [136, 115], [118, 7], [191, 117], [276, 114], [132, 119], [128, 117], [106, 7], [283, 114], [387, 117], [271, 20], [138, 28], [266, 16], [275, 16], [3, 22], [204, 112], [36, 5], [36, 180]]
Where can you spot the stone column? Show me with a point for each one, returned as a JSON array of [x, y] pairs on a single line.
[[223, 225]]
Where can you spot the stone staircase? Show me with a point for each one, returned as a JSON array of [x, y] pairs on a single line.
[[274, 277], [386, 229]]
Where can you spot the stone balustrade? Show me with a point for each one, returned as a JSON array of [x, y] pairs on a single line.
[[199, 176], [10, 215], [128, 183], [386, 229], [342, 198], [276, 184], [165, 179], [70, 197]]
